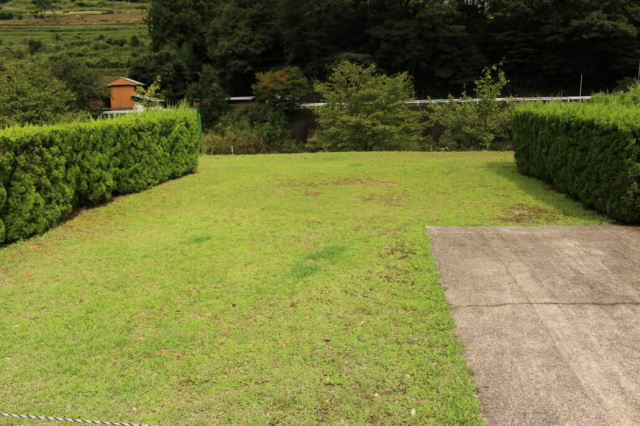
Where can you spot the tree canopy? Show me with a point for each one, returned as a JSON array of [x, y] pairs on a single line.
[[365, 110], [30, 94], [549, 44], [545, 45], [281, 88], [42, 5], [80, 79]]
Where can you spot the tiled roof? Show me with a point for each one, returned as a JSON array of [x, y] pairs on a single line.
[[130, 82]]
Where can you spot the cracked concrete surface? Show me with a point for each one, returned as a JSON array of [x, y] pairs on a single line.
[[550, 320]]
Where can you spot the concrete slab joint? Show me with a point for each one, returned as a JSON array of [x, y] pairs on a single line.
[[550, 319]]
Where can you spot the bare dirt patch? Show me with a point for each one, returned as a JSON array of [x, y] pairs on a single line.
[[314, 189], [339, 182], [363, 182], [384, 199], [521, 213]]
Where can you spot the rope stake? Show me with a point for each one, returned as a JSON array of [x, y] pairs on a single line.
[[58, 419]]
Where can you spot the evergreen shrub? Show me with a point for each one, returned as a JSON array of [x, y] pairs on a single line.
[[48, 171], [590, 151]]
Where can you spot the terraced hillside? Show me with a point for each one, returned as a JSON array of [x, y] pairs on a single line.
[[106, 34]]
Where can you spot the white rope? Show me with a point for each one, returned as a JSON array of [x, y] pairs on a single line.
[[58, 419]]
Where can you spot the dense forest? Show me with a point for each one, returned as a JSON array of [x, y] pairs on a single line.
[[545, 46]]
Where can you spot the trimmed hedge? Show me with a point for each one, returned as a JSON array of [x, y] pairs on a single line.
[[47, 172], [590, 151]]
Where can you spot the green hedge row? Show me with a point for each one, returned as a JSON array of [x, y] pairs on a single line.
[[590, 151], [47, 172]]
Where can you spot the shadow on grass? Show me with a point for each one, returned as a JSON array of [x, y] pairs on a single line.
[[62, 221], [313, 262], [545, 193]]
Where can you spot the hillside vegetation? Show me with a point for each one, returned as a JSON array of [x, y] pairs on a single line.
[[106, 35]]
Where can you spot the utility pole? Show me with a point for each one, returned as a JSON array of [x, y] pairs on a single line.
[[580, 84]]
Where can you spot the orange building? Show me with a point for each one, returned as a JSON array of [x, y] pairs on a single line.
[[122, 92]]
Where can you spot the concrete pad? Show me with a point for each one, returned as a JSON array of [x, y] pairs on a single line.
[[550, 319]]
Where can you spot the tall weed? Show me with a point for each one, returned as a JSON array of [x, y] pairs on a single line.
[[255, 129], [467, 124]]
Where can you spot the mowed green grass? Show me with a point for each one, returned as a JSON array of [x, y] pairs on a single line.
[[263, 289]]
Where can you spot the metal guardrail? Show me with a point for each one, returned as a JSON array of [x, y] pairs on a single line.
[[476, 100]]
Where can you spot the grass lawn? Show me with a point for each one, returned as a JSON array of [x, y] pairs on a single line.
[[262, 289]]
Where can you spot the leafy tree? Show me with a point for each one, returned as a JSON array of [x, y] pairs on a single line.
[[547, 45], [134, 41], [42, 5], [173, 23], [256, 129], [166, 64], [30, 94], [80, 79], [313, 33], [427, 39], [366, 110], [281, 88], [152, 95], [177, 29], [211, 97], [270, 124], [243, 37], [35, 46], [481, 124]]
